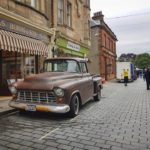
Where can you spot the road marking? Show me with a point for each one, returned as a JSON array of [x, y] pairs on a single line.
[[90, 108], [48, 134], [71, 120]]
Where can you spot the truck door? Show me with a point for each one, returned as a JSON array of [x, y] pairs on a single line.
[[87, 86]]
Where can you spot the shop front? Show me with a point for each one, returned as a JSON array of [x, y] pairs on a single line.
[[21, 52], [69, 48]]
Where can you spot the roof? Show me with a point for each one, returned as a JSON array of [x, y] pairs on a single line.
[[98, 23]]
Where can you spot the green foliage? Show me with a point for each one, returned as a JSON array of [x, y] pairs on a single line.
[[142, 61]]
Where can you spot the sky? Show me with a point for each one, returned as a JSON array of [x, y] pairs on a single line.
[[130, 22]]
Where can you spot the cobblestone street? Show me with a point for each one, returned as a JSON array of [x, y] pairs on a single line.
[[120, 121]]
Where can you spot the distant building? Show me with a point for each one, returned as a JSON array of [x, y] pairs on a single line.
[[71, 19], [103, 48]]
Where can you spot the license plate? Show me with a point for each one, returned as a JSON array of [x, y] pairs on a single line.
[[31, 108]]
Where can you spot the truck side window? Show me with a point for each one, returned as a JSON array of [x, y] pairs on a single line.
[[83, 67], [73, 66]]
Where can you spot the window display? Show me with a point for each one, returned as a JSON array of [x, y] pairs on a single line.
[[29, 65], [17, 66]]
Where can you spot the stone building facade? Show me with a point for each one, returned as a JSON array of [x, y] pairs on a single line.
[[71, 20], [25, 38], [103, 48], [32, 30]]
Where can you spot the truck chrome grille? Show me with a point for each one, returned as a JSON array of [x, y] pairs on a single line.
[[32, 96]]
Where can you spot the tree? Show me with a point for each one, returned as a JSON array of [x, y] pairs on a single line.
[[142, 61]]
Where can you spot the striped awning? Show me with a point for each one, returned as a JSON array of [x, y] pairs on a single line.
[[14, 42]]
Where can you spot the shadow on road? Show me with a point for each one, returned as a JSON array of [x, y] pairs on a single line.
[[54, 116]]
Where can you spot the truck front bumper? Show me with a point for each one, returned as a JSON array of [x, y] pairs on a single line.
[[59, 108]]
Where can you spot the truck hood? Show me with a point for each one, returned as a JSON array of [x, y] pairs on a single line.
[[47, 80]]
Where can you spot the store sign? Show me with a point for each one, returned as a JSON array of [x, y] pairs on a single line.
[[73, 46], [6, 25]]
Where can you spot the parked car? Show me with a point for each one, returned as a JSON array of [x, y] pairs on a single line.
[[62, 87]]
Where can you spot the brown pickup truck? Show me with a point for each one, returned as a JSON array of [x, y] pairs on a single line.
[[63, 85]]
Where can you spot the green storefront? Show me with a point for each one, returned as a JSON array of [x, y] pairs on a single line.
[[68, 48]]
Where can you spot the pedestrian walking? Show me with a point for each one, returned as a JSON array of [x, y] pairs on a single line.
[[147, 78], [125, 74]]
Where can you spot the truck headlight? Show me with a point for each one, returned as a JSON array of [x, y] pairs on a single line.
[[59, 92], [13, 90]]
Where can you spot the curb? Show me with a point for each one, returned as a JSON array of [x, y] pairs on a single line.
[[7, 112], [2, 98]]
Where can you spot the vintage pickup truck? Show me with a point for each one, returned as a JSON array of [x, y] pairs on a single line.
[[63, 85]]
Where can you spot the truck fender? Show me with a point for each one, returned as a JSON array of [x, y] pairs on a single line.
[[78, 93]]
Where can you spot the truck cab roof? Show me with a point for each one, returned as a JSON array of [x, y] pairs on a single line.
[[69, 58]]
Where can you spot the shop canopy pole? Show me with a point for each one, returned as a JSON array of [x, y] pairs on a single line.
[[15, 65]]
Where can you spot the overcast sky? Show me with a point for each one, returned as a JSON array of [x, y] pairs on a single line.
[[129, 20]]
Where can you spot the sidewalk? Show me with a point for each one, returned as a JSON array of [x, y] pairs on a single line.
[[4, 108]]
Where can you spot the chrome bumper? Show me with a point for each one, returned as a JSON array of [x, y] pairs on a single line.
[[60, 108]]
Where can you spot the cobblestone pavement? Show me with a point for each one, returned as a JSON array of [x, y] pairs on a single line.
[[4, 108], [120, 121]]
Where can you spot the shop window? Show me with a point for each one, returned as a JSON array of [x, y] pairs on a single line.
[[11, 65], [17, 65], [60, 11], [29, 67]]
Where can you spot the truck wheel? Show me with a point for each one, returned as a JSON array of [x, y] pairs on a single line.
[[22, 112], [98, 96], [74, 106]]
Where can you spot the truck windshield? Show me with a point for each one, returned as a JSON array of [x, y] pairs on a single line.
[[61, 66]]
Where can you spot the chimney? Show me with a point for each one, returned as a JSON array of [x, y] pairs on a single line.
[[98, 16]]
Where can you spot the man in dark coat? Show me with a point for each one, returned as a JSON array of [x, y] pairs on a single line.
[[147, 78]]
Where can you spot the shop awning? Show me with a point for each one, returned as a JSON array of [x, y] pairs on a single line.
[[14, 42]]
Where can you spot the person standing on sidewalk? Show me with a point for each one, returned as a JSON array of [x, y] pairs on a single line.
[[125, 74], [147, 78]]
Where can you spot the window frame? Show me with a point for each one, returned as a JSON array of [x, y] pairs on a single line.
[[60, 12], [88, 3], [83, 67], [33, 3], [69, 14], [105, 42]]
